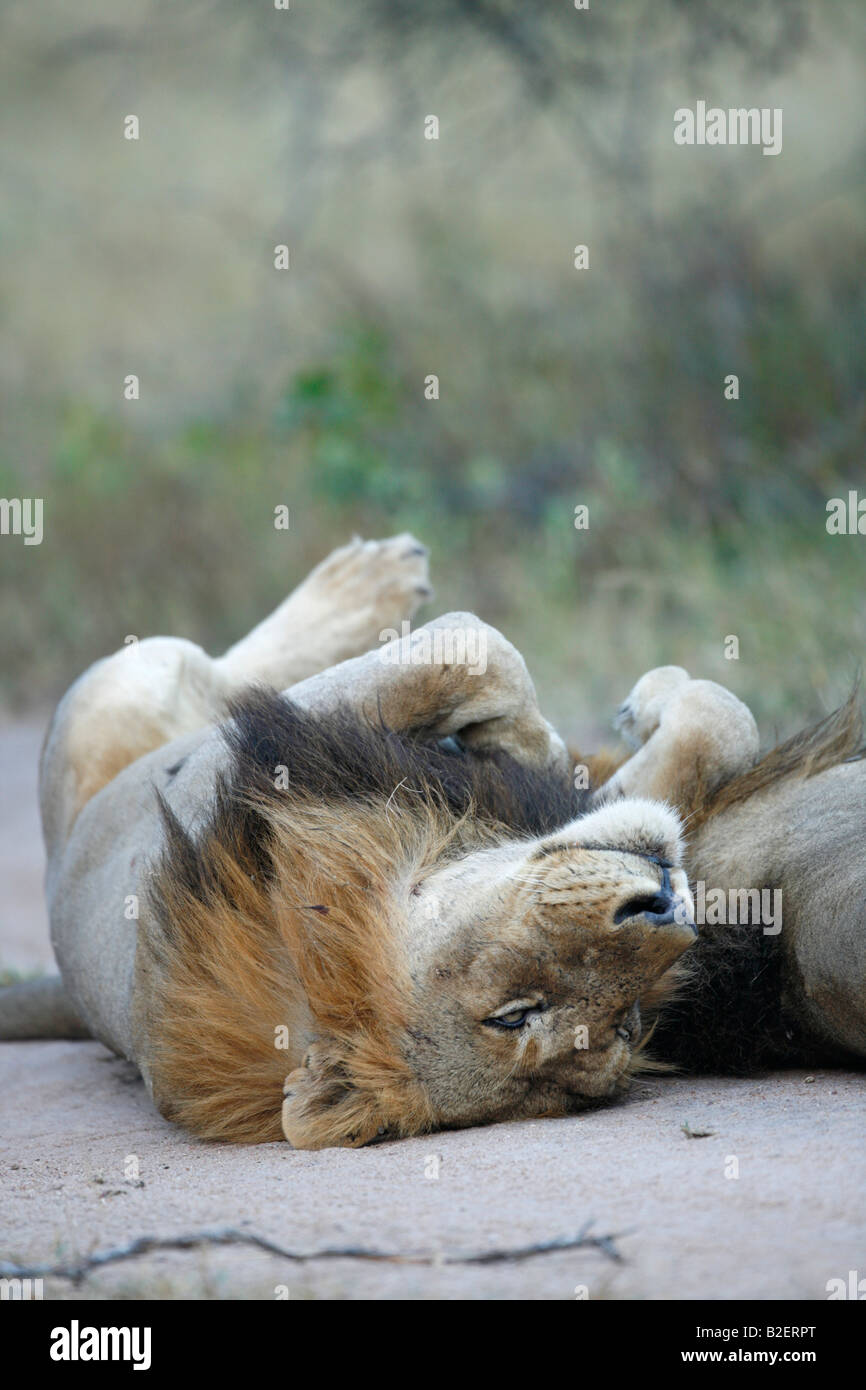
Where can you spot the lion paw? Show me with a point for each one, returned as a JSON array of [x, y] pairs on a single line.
[[385, 580], [640, 714], [360, 591]]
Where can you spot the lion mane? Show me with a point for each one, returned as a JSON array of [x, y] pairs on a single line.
[[279, 917]]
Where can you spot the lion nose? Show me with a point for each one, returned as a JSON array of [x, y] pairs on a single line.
[[657, 908]]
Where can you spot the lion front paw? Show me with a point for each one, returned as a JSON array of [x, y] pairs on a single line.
[[640, 713]]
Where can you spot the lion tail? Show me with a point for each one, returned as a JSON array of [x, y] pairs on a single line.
[[38, 1009]]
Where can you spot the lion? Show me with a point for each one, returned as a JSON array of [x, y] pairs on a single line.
[[341, 892]]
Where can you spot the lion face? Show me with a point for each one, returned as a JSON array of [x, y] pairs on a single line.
[[522, 967], [529, 962]]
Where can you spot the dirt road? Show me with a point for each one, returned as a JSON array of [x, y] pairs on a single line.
[[768, 1205]]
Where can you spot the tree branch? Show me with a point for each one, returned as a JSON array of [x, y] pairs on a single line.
[[78, 1270]]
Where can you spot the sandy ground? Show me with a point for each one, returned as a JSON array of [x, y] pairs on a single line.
[[86, 1164]]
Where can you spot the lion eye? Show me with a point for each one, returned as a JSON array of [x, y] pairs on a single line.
[[515, 1018]]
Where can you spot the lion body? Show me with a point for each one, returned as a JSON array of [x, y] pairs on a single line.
[[326, 888]]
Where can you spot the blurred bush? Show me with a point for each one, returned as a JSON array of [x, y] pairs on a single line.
[[558, 387]]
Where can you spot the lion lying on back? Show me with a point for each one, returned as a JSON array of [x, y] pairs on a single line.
[[376, 905]]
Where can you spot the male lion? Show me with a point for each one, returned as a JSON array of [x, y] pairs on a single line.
[[384, 883]]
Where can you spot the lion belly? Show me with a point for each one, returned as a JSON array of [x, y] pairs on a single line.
[[98, 888]]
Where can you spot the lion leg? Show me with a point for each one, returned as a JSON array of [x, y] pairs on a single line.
[[455, 676], [146, 695], [38, 1009], [342, 609], [691, 735], [156, 690]]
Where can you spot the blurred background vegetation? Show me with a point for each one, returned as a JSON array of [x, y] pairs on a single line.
[[409, 257]]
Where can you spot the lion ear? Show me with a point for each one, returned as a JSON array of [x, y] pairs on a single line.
[[322, 1106]]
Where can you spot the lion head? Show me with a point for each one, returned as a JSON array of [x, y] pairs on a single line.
[[440, 940], [529, 960]]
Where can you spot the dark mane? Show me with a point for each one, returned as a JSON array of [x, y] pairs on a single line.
[[728, 1016], [343, 757]]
